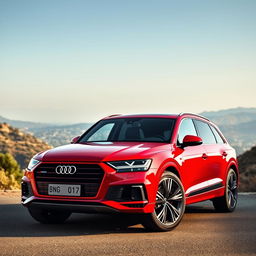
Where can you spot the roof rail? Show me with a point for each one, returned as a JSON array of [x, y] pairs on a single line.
[[114, 115], [187, 113]]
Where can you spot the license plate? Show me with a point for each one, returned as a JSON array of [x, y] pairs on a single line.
[[64, 190]]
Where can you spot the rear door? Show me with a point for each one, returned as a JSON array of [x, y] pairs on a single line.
[[223, 152]]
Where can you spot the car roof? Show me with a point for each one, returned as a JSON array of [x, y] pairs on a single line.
[[154, 116], [142, 115]]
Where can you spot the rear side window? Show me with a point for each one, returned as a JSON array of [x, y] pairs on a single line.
[[217, 135], [186, 128], [205, 132]]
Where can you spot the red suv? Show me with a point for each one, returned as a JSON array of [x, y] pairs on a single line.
[[150, 165]]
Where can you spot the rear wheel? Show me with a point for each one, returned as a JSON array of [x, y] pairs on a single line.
[[49, 216], [228, 202], [169, 207]]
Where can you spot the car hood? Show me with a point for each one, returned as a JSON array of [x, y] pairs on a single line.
[[101, 151]]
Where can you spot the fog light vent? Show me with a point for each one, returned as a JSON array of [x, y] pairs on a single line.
[[126, 193], [24, 189]]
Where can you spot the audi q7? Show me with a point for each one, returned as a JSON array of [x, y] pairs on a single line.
[[149, 165]]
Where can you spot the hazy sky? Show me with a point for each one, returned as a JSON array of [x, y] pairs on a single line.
[[78, 60]]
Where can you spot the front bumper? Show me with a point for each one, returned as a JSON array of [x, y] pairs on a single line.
[[119, 192], [72, 206]]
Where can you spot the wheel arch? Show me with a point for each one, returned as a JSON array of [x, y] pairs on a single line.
[[233, 165], [172, 169], [168, 166]]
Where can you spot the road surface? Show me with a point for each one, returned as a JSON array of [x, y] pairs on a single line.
[[201, 232]]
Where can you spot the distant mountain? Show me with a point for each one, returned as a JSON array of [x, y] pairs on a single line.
[[231, 116], [238, 125], [25, 125], [247, 167], [20, 144], [229, 111]]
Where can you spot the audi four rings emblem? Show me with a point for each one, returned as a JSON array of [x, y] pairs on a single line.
[[65, 169]]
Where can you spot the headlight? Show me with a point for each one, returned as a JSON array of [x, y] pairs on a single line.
[[131, 165], [33, 162]]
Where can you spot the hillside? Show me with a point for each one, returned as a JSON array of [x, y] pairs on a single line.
[[53, 134], [247, 167], [19, 144]]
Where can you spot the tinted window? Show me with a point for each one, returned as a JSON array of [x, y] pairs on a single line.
[[131, 129], [205, 132], [217, 135], [186, 128]]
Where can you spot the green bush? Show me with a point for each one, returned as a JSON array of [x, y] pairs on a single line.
[[10, 172]]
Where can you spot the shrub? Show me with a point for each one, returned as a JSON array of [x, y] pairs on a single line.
[[10, 166], [4, 180], [10, 173]]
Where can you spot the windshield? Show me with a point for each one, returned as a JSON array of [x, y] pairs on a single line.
[[130, 129]]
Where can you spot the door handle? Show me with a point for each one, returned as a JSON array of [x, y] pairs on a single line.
[[224, 154], [204, 156]]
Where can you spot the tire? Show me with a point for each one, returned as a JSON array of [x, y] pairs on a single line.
[[45, 216], [169, 207], [228, 202]]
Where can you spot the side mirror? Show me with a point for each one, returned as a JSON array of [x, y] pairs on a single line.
[[191, 140], [74, 140]]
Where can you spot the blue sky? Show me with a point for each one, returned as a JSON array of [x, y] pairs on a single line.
[[78, 61]]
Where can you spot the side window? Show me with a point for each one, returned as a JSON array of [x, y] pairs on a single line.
[[205, 132], [103, 133], [217, 135], [186, 128]]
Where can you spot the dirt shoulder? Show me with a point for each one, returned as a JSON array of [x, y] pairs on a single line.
[[10, 193]]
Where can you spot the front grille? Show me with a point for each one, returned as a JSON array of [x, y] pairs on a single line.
[[89, 176]]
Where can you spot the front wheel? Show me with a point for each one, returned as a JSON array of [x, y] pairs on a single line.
[[45, 216], [169, 207], [228, 202]]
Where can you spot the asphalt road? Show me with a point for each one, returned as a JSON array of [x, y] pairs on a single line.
[[201, 232]]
